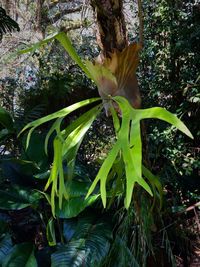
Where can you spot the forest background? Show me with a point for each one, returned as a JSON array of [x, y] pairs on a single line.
[[46, 80]]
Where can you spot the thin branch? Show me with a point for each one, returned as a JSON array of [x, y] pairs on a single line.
[[193, 206], [61, 14], [141, 22], [74, 27], [51, 5]]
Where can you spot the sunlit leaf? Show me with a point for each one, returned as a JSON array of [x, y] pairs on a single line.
[[55, 127], [59, 114], [161, 114], [66, 145], [129, 143], [74, 139], [64, 40], [103, 173], [50, 232], [114, 71], [20, 255], [37, 45]]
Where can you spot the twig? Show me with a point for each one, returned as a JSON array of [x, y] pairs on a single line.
[[141, 23], [197, 219], [193, 206], [63, 13]]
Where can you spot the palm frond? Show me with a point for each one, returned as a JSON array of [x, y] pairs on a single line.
[[22, 117], [7, 24], [120, 255]]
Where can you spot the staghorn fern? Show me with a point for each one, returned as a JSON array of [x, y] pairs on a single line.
[[128, 144]]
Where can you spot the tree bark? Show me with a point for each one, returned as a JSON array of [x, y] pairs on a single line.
[[116, 55], [39, 9], [111, 27], [7, 6]]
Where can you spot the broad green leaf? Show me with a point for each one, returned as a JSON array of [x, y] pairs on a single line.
[[5, 119], [89, 244], [4, 133], [74, 206], [73, 254], [97, 234], [50, 232], [69, 227], [19, 171], [36, 151], [20, 255], [5, 246], [77, 188], [16, 198], [43, 175]]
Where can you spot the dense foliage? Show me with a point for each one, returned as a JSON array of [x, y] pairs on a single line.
[[159, 231], [170, 64]]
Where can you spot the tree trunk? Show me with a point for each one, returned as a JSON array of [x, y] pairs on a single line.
[[39, 9], [116, 54], [16, 8], [111, 30], [7, 6]]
